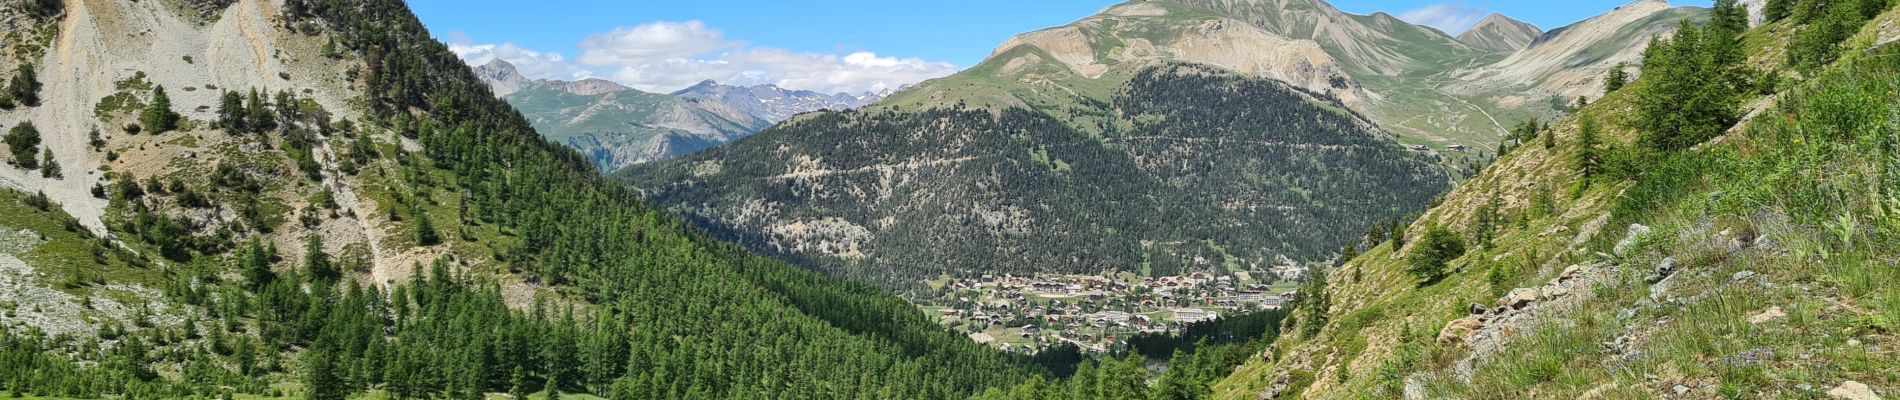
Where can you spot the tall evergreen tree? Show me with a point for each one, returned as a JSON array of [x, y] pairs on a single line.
[[317, 263], [158, 116], [1618, 77], [1589, 160], [321, 376], [1693, 96], [255, 264], [1313, 303], [231, 115], [259, 116], [1777, 10]]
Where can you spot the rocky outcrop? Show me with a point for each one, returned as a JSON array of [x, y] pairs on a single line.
[[501, 76], [770, 102], [1488, 330]]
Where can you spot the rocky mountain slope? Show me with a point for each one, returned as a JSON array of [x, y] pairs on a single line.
[[772, 103], [1184, 175], [311, 198], [1377, 44], [1393, 74], [1742, 267], [1497, 32], [1569, 62], [616, 126]]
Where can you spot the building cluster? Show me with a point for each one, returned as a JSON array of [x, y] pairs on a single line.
[[1028, 313]]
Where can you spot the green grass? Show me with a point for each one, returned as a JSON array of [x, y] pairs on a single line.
[[67, 251]]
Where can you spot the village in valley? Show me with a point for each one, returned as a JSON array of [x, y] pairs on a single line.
[[1093, 312]]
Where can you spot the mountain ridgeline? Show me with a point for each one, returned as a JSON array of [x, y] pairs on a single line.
[[615, 126], [1196, 169]]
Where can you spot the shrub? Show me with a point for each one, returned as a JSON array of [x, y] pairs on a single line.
[[1434, 250], [23, 141]]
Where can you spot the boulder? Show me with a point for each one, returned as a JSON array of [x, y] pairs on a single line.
[[1852, 390], [1458, 331], [1519, 298]]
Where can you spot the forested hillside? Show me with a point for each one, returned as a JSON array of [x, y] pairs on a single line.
[[480, 258], [1196, 169], [1722, 227]]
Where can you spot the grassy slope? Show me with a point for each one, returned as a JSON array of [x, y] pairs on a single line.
[[1802, 177], [1049, 86], [552, 110]]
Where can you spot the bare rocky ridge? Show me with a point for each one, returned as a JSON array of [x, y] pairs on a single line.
[[770, 102], [504, 79], [1224, 42], [1570, 62], [501, 76], [1378, 44], [1500, 33]]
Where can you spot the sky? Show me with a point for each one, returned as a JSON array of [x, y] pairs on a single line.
[[825, 45]]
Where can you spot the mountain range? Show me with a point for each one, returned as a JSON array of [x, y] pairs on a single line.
[[616, 126], [855, 192]]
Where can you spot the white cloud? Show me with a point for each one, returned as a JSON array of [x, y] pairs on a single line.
[[654, 41], [1453, 18], [666, 56], [532, 64]]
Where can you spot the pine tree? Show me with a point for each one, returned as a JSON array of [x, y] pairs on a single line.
[[256, 265], [425, 230], [320, 374], [316, 262], [259, 117], [49, 167], [158, 117], [518, 384], [231, 113], [1436, 249], [24, 88], [1588, 158], [1730, 16], [1123, 379], [95, 140], [1618, 77], [1693, 96], [1777, 10], [1397, 230], [1313, 303]]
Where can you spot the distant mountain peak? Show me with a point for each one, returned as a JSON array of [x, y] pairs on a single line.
[[771, 102], [1497, 32], [501, 76]]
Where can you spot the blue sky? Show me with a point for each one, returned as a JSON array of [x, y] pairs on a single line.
[[829, 45]]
